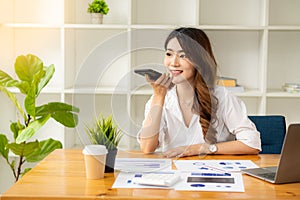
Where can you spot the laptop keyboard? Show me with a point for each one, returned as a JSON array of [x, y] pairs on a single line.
[[270, 176]]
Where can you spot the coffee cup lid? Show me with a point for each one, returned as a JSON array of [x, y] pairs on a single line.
[[94, 150]]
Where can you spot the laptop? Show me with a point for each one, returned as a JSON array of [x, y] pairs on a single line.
[[287, 170]]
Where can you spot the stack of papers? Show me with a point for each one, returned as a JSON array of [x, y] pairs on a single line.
[[195, 175]]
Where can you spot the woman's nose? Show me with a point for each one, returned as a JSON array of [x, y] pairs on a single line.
[[175, 60]]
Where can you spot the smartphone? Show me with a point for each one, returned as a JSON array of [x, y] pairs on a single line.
[[152, 74]]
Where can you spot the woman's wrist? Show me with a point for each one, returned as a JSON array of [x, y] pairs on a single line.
[[158, 100]]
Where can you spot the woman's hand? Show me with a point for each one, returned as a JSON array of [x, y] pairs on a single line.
[[183, 151], [161, 85]]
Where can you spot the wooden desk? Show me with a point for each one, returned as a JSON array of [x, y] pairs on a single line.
[[61, 175]]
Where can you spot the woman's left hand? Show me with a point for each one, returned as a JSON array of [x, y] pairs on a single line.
[[184, 151]]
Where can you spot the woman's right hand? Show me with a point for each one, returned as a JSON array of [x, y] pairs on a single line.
[[161, 85], [150, 131]]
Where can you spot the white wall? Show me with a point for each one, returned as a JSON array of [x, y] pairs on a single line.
[[7, 178]]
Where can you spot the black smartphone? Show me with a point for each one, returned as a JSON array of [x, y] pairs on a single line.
[[153, 75]]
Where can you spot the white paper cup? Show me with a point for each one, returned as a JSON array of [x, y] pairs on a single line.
[[94, 157]]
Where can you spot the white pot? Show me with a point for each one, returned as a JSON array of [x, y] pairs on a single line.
[[96, 18]]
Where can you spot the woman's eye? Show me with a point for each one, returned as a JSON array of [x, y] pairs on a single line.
[[168, 54], [182, 56]]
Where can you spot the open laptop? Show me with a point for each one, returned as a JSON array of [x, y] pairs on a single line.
[[287, 170]]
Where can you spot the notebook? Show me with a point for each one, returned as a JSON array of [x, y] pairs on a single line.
[[287, 170]]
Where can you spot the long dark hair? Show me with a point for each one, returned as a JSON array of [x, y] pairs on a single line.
[[198, 50]]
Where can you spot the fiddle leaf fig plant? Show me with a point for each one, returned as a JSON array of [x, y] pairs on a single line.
[[32, 76]]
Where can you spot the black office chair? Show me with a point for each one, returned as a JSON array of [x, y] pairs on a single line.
[[272, 130]]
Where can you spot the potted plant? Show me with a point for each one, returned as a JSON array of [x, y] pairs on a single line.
[[105, 132], [97, 8], [33, 76]]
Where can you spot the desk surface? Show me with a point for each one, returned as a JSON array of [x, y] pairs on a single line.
[[61, 175]]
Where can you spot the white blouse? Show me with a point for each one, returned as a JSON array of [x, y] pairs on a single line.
[[233, 122]]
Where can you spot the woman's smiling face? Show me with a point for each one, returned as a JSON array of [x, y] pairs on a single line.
[[177, 63]]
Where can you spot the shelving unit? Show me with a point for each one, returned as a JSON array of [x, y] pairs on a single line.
[[255, 41]]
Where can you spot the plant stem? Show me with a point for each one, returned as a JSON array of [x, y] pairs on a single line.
[[21, 161], [28, 120], [12, 168]]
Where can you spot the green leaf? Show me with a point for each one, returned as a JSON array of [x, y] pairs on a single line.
[[27, 66], [47, 77], [14, 100], [15, 127], [42, 110], [6, 80], [29, 101], [53, 107], [59, 106], [31, 129], [25, 171], [3, 143], [13, 164], [37, 79], [23, 149], [61, 112], [46, 147], [67, 119], [32, 93], [23, 86]]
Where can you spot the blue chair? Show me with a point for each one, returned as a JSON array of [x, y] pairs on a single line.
[[272, 130]]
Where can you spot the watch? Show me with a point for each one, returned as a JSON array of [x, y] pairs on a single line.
[[212, 148]]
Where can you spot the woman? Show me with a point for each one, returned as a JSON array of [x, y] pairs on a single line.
[[187, 113]]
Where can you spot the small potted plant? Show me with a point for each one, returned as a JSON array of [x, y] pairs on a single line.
[[97, 8], [105, 132]]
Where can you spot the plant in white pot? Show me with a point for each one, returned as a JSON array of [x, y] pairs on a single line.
[[97, 8], [33, 76], [105, 132]]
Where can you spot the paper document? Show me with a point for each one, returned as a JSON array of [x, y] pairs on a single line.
[[203, 180], [222, 165], [142, 164], [211, 181], [195, 175]]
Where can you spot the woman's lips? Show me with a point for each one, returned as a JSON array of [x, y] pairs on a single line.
[[176, 72]]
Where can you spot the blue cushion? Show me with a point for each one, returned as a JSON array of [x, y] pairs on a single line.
[[272, 130]]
